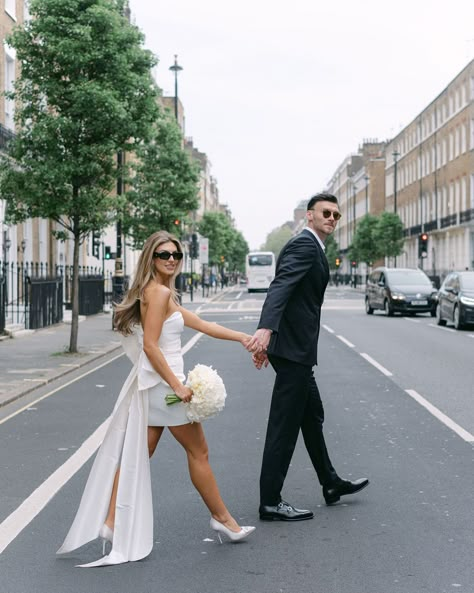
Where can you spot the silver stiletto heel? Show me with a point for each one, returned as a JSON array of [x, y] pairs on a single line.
[[234, 536], [107, 535]]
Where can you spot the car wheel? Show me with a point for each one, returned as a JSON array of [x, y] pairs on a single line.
[[457, 318], [368, 309], [439, 319], [388, 308]]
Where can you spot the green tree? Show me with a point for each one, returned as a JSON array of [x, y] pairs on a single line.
[[389, 235], [164, 186], [366, 246], [277, 238], [85, 91], [237, 250], [218, 229], [332, 251]]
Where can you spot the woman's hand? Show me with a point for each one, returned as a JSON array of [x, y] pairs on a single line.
[[184, 393], [245, 339]]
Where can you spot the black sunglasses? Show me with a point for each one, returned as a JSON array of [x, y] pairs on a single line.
[[176, 255], [335, 215]]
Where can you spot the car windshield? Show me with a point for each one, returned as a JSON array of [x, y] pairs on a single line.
[[467, 281], [408, 278]]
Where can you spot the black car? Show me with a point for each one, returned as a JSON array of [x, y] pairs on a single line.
[[400, 290], [456, 300]]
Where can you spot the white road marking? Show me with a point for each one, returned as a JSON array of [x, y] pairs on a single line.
[[14, 524], [411, 320], [464, 434], [328, 329], [346, 342], [239, 295], [376, 364], [446, 329], [59, 388]]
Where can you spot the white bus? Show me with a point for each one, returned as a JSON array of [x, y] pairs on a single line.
[[260, 270]]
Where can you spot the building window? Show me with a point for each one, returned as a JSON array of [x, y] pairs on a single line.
[[472, 191], [463, 138], [9, 86], [10, 8]]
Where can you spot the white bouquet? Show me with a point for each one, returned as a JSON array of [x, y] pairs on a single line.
[[208, 394]]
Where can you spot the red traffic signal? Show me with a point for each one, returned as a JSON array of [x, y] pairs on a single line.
[[354, 264], [423, 245], [177, 221]]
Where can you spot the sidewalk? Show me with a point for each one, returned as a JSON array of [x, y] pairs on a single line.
[[34, 359]]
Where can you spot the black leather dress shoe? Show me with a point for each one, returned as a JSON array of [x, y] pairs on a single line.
[[283, 512], [334, 492]]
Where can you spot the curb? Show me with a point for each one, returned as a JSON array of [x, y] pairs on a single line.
[[8, 399]]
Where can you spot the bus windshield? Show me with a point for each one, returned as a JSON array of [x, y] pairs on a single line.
[[260, 270]]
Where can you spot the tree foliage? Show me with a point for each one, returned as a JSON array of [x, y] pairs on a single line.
[[389, 234], [164, 186], [85, 91], [332, 251], [225, 243], [277, 238], [366, 246]]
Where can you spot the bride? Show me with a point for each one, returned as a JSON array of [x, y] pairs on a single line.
[[117, 504]]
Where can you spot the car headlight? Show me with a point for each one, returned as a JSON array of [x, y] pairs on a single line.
[[398, 296], [466, 300], [434, 296]]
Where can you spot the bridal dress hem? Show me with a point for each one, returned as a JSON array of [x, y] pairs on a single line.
[[125, 446]]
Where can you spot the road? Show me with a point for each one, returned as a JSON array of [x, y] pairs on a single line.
[[398, 399]]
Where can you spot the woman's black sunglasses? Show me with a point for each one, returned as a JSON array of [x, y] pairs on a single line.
[[176, 255]]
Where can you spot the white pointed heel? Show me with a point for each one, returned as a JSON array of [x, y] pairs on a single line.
[[234, 536], [107, 535]]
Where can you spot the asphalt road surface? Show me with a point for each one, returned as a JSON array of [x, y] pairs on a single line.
[[398, 398]]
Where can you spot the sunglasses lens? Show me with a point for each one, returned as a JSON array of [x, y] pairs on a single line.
[[327, 214], [177, 255]]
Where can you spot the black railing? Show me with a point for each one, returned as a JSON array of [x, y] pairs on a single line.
[[450, 220], [432, 225], [44, 301], [91, 294], [466, 215], [32, 297], [3, 286]]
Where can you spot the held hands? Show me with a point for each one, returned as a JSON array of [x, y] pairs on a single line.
[[258, 345]]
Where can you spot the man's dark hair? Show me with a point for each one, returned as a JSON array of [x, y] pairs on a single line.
[[322, 197]]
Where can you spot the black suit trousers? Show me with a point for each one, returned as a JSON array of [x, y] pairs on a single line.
[[296, 404]]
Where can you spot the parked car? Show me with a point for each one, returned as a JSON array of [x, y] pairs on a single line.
[[400, 290], [456, 300]]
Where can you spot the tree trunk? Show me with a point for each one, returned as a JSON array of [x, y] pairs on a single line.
[[75, 293]]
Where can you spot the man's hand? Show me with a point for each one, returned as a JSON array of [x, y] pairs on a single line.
[[260, 360], [259, 342]]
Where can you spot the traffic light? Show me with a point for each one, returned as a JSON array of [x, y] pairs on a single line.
[[176, 221], [108, 252], [194, 248], [222, 259], [354, 264], [423, 245], [96, 244], [338, 262]]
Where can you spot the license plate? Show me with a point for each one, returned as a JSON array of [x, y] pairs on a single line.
[[419, 303]]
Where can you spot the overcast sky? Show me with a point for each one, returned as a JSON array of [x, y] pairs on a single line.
[[278, 93]]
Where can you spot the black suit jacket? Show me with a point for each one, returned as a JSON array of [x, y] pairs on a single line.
[[292, 308]]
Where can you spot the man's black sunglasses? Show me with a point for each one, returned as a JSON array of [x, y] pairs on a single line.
[[176, 255]]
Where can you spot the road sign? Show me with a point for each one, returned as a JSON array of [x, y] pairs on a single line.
[[204, 250]]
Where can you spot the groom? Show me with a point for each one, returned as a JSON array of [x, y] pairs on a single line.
[[287, 337]]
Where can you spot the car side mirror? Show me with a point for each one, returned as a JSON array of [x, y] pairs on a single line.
[[450, 289], [381, 283]]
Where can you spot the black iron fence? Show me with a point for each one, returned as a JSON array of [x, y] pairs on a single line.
[[2, 303], [34, 295]]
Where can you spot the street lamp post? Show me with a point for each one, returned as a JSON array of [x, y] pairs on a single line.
[[366, 178], [175, 68], [395, 155]]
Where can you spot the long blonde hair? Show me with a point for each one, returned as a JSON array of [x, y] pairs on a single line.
[[127, 313]]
